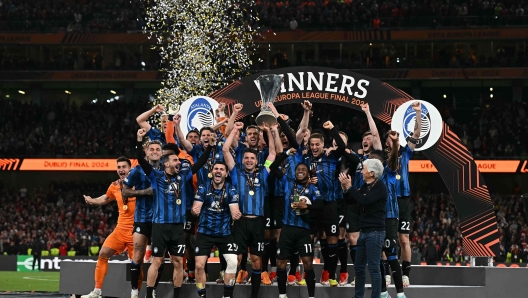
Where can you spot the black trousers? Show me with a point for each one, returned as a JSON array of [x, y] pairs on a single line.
[[36, 259]]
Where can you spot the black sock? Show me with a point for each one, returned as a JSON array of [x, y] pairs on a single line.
[[177, 292], [160, 272], [353, 253], [324, 253], [387, 267], [243, 263], [396, 274], [294, 262], [281, 280], [149, 291], [406, 268], [134, 274], [201, 292], [332, 260], [382, 273], [255, 283], [228, 291], [343, 255], [273, 252], [223, 263], [310, 282], [265, 256]]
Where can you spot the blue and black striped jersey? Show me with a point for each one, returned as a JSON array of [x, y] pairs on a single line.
[[291, 188], [403, 188], [215, 217], [247, 183], [138, 180], [171, 195], [324, 167], [215, 155]]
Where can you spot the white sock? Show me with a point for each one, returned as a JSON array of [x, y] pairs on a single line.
[[154, 292], [400, 295], [98, 291], [273, 269], [282, 295], [135, 292], [384, 294]]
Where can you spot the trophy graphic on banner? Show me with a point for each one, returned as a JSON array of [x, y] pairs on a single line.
[[269, 86]]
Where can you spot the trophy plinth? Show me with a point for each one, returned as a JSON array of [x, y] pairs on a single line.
[[269, 86]]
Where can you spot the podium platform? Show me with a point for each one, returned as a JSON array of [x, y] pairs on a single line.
[[426, 281]]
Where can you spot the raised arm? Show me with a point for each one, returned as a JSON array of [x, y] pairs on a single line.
[[188, 146], [417, 107], [230, 124], [393, 158], [272, 151], [143, 118], [376, 141], [274, 167], [140, 154], [307, 106], [228, 158], [341, 146], [276, 138], [203, 158]]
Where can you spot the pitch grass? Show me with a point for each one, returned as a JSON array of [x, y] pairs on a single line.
[[29, 281]]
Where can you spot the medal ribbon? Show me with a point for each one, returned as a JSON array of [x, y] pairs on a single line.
[[295, 190], [211, 160], [214, 196], [250, 181], [177, 188]]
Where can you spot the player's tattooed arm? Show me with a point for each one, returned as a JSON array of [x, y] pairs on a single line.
[[128, 192]]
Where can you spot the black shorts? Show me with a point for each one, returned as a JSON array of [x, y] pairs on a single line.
[[391, 244], [143, 228], [168, 237], [225, 244], [268, 214], [330, 219], [342, 212], [190, 223], [352, 218], [293, 240], [404, 204], [278, 212], [249, 233]]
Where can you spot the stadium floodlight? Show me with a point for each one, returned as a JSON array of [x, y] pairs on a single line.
[[491, 89], [491, 95], [21, 92], [113, 92], [67, 92], [445, 96]]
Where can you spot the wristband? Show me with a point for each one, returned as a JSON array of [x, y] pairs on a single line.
[[288, 152], [412, 140], [268, 163]]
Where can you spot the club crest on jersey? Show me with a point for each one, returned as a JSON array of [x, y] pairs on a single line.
[[235, 197], [155, 250], [197, 249], [138, 229], [200, 114]]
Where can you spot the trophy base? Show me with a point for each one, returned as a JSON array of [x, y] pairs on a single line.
[[266, 117]]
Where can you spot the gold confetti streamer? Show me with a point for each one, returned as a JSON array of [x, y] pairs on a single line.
[[203, 45]]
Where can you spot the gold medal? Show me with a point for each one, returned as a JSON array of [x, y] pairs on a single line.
[[125, 207], [178, 201], [251, 192], [210, 175], [398, 177]]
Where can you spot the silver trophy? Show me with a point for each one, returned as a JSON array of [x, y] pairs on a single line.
[[269, 86]]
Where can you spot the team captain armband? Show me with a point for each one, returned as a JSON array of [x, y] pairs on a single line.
[[267, 164]]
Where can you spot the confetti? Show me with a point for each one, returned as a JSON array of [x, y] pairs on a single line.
[[203, 45]]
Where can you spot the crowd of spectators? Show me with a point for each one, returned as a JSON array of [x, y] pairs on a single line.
[[125, 15], [66, 129], [57, 216], [72, 16], [348, 14]]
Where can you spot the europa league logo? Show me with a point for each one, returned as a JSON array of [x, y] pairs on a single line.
[[269, 86]]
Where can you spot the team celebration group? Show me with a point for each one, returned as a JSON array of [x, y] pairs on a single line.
[[268, 192]]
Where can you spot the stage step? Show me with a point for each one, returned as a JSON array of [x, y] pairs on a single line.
[[215, 290]]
